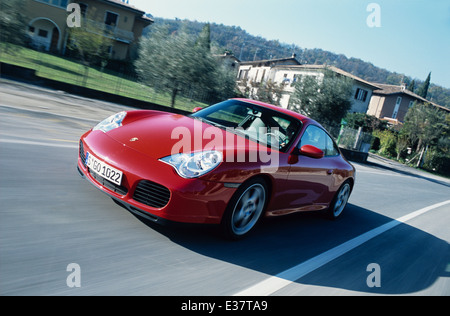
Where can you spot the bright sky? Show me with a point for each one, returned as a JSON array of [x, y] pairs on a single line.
[[414, 37]]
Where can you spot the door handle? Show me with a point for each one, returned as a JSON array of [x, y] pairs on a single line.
[[330, 172]]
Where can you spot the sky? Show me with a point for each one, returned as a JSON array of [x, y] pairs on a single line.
[[410, 37]]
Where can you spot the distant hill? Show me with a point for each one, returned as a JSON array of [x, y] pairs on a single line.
[[247, 47]]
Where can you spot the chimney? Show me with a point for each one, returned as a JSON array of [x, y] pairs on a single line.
[[403, 86]]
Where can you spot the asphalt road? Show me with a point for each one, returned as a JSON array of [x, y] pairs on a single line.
[[51, 218]]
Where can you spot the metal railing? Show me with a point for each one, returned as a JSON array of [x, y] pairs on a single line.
[[110, 31]]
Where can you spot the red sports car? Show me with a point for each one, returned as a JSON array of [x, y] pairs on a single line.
[[229, 164]]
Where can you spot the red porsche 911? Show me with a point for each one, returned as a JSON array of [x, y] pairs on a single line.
[[229, 164]]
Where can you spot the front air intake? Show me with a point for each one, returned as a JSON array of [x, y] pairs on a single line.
[[151, 194]]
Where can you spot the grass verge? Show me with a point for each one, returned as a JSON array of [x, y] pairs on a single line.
[[71, 72]]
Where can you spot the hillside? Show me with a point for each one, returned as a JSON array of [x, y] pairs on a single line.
[[248, 47]]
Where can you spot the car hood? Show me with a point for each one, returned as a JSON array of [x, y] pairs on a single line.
[[161, 134]]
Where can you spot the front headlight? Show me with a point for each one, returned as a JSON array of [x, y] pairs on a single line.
[[112, 122], [194, 165]]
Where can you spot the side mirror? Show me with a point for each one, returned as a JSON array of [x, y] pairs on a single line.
[[195, 110], [312, 152]]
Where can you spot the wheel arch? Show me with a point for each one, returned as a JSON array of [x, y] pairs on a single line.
[[269, 181], [351, 181]]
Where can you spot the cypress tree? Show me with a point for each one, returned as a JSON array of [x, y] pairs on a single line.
[[412, 86], [423, 90], [204, 39]]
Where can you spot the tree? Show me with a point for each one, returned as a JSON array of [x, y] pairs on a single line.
[[413, 123], [270, 92], [423, 90], [426, 127], [369, 123], [12, 22], [171, 62], [412, 86], [402, 144], [204, 66], [306, 94], [424, 124], [204, 39], [91, 42], [225, 83], [164, 61], [326, 100]]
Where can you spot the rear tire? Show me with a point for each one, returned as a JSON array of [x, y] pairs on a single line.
[[339, 202], [245, 209]]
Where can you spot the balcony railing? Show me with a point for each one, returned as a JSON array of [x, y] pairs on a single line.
[[110, 31]]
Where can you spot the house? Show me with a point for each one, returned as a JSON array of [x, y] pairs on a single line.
[[229, 60], [48, 30], [287, 71], [258, 71], [391, 103]]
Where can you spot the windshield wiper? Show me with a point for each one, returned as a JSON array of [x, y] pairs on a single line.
[[202, 119]]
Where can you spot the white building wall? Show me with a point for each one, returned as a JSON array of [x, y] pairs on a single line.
[[360, 105]]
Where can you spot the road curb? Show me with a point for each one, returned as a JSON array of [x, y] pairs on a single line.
[[385, 163]]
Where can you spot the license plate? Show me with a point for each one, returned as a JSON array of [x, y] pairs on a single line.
[[104, 170]]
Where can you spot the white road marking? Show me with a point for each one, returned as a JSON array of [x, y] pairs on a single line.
[[283, 279], [35, 143]]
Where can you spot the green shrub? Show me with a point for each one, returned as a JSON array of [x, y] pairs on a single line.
[[438, 162], [376, 143], [388, 143]]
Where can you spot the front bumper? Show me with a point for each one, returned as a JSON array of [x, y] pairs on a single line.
[[153, 189]]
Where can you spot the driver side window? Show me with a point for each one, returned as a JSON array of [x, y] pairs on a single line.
[[317, 137], [314, 136]]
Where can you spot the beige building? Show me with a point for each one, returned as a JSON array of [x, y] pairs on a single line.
[[392, 102], [48, 28]]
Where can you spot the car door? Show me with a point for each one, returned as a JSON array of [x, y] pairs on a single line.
[[309, 179]]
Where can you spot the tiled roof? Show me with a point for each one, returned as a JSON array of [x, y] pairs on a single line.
[[131, 7], [373, 86], [119, 2], [388, 89], [271, 62]]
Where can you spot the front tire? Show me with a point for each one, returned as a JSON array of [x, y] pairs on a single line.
[[245, 209]]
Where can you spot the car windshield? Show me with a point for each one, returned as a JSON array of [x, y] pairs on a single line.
[[258, 123]]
